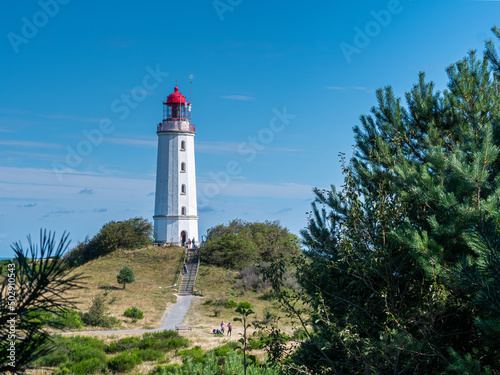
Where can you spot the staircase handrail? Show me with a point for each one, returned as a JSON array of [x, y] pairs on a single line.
[[180, 273]]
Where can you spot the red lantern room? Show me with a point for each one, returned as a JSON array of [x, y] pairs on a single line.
[[176, 107]]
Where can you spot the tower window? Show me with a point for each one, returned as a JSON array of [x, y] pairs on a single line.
[[183, 167], [183, 145], [183, 210], [183, 189]]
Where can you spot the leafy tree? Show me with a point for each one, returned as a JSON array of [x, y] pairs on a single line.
[[127, 234], [126, 276], [228, 251], [401, 268], [240, 244], [40, 285]]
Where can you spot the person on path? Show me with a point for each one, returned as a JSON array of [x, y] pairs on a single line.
[[229, 329], [184, 267], [222, 326]]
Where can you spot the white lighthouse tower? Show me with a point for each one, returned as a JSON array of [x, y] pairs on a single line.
[[176, 213]]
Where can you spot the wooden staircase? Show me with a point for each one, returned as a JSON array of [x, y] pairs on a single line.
[[186, 285]]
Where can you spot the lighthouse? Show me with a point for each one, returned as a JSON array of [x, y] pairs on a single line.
[[176, 213]]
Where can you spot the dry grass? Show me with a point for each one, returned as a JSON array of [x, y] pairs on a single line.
[[152, 266]]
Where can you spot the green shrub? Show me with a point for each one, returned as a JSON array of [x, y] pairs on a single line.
[[165, 340], [88, 366], [87, 352], [121, 345], [52, 359], [256, 344], [222, 351], [124, 362], [230, 304], [67, 350], [97, 314], [134, 313], [168, 369], [208, 301], [151, 355], [196, 354]]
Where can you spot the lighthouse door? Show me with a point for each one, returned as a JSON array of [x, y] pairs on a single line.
[[183, 237]]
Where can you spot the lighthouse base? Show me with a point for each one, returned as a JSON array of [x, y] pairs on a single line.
[[175, 230]]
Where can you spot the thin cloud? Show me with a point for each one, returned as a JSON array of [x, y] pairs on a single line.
[[100, 210], [132, 142], [239, 97], [206, 209], [29, 205], [151, 194], [232, 147], [32, 144], [284, 210], [335, 88], [60, 116], [86, 191], [62, 212]]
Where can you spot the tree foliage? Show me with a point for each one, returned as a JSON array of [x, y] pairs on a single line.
[[241, 243], [401, 271], [125, 276], [40, 282], [127, 234]]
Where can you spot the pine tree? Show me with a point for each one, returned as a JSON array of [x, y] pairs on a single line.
[[401, 271], [126, 276]]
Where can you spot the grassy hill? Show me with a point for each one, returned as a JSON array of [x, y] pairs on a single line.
[[153, 267]]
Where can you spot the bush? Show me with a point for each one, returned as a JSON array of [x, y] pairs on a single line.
[[124, 362], [134, 313], [168, 369], [66, 319], [151, 355], [87, 352], [165, 340], [222, 351], [230, 304], [97, 314], [196, 354], [88, 366], [121, 345]]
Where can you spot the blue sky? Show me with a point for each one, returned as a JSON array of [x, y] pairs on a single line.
[[82, 84]]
